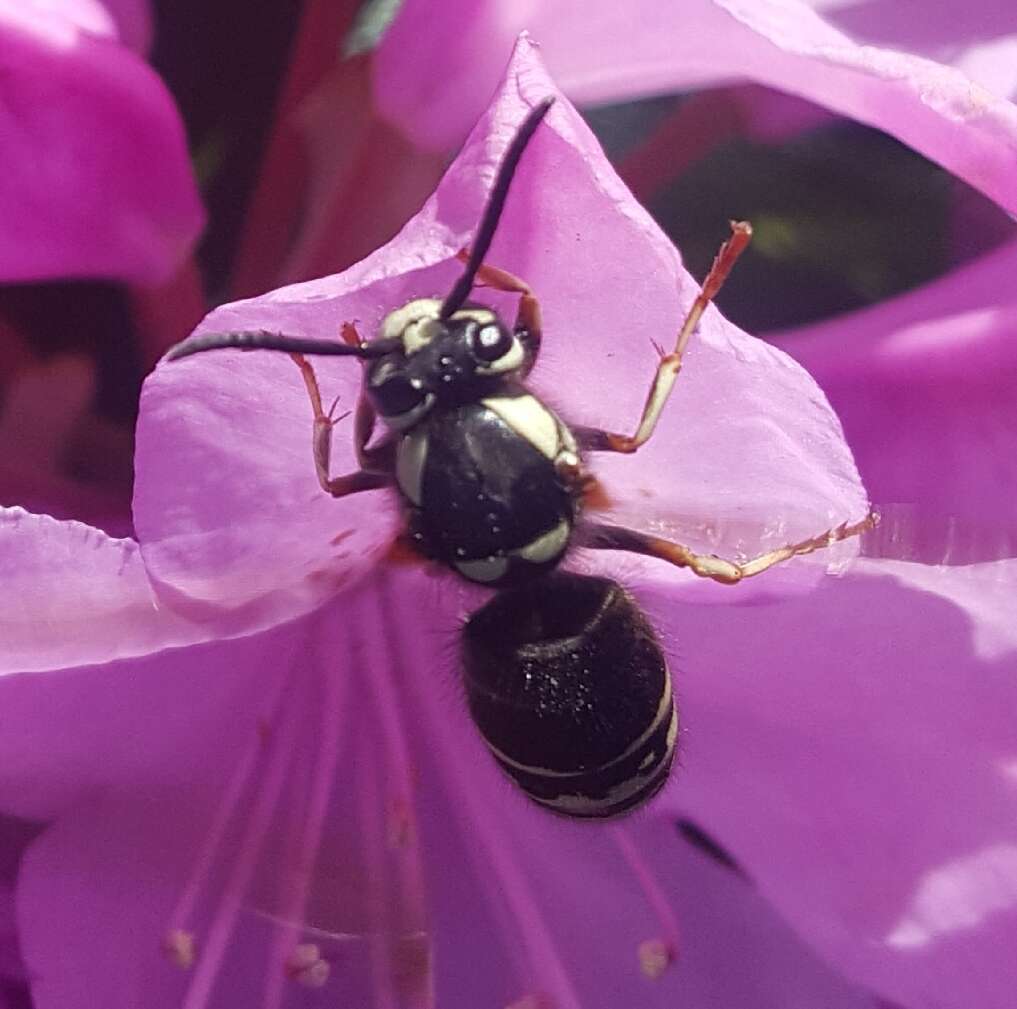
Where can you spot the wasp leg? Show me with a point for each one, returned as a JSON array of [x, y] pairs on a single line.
[[376, 464], [594, 440], [377, 460], [528, 325], [727, 572]]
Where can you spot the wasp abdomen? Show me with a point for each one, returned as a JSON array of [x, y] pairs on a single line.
[[570, 689]]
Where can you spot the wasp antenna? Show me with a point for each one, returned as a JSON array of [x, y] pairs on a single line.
[[261, 339], [495, 205]]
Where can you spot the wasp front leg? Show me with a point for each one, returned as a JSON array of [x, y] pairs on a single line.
[[594, 440], [528, 325], [718, 569], [377, 464]]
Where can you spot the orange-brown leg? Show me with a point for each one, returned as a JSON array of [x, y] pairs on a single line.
[[606, 537], [376, 464], [595, 440]]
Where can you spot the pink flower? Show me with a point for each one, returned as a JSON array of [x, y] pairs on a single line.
[[96, 177], [310, 804], [97, 185], [597, 57], [247, 734], [922, 382]]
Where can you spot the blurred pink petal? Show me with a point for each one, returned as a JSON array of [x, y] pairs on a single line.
[[749, 444], [978, 37], [600, 53], [364, 177], [327, 157], [133, 20], [696, 127], [127, 21], [97, 180], [865, 731], [924, 386], [60, 20], [44, 404]]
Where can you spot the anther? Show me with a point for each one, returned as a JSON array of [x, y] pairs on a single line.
[[400, 824], [179, 947], [655, 956], [535, 1000], [306, 966]]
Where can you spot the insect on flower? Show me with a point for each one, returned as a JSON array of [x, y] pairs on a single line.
[[564, 677]]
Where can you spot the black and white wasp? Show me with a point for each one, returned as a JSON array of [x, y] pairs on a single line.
[[564, 676]]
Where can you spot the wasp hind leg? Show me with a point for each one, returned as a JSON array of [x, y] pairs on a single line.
[[528, 325], [718, 569], [593, 439], [376, 464]]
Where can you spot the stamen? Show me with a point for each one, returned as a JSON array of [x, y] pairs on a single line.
[[179, 941], [535, 1000], [380, 941], [179, 946], [400, 824], [323, 780], [414, 955], [223, 922], [655, 955]]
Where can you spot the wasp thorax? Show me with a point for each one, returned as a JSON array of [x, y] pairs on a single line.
[[568, 685]]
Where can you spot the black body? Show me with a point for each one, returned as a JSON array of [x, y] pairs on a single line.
[[570, 689], [486, 492]]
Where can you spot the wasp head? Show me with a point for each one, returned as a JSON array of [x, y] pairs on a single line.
[[447, 361]]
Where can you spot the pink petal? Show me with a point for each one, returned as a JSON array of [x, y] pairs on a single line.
[[97, 180], [854, 750], [285, 734], [575, 895], [227, 506], [127, 722], [59, 20], [920, 772], [81, 597], [923, 385], [133, 23], [978, 36], [508, 887], [127, 21], [608, 52]]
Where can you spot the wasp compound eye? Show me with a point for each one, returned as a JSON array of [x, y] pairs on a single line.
[[569, 687], [397, 397], [494, 348], [490, 342]]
